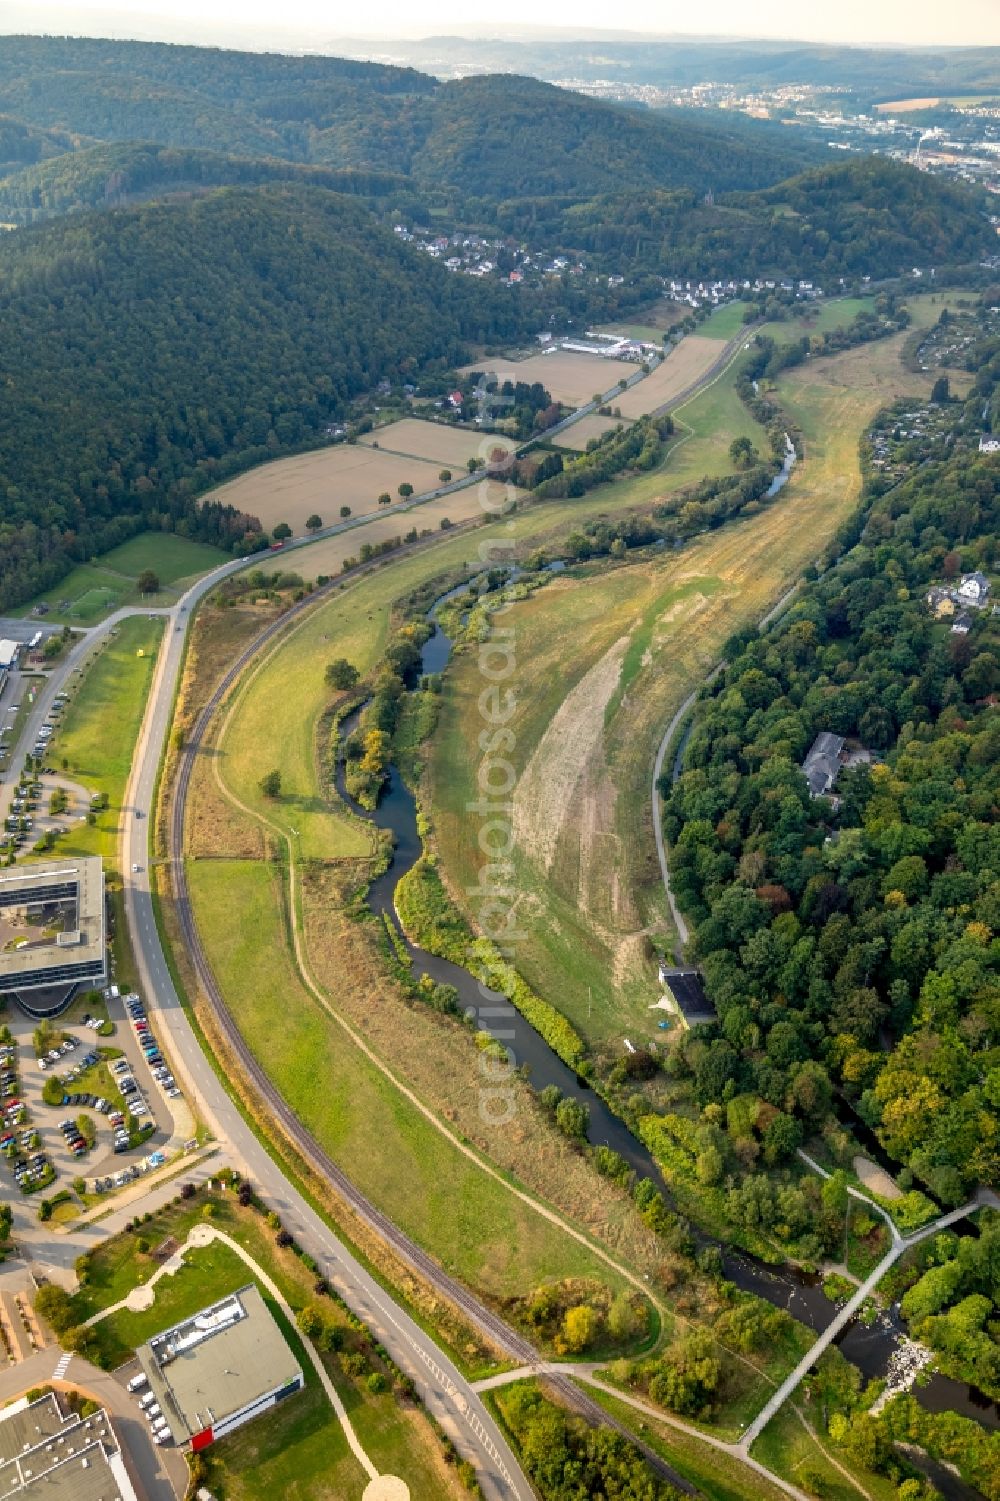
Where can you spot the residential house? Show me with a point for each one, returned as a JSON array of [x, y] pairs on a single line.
[[974, 590], [962, 625], [823, 763]]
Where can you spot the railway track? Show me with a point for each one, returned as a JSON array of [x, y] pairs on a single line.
[[514, 1346]]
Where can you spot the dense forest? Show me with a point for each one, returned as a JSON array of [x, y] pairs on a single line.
[[849, 943], [826, 223], [112, 174], [152, 352]]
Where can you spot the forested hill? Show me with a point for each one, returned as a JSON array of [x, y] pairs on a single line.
[[481, 137], [866, 216], [151, 351], [113, 173]]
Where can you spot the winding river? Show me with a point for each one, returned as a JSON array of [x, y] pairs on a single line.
[[784, 1287]]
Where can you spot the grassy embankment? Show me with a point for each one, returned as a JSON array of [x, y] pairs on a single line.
[[714, 1473], [614, 655], [299, 1447], [90, 591]]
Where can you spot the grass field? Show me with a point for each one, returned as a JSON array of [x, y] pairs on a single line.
[[685, 364], [467, 1220], [100, 729], [570, 378], [602, 663], [92, 590], [436, 443], [724, 322]]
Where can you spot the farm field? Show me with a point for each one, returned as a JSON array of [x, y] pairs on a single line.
[[436, 442], [100, 728], [603, 662], [325, 557], [684, 365], [570, 378], [93, 590], [579, 434], [321, 482]]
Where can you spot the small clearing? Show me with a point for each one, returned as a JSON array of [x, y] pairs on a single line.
[[545, 791], [875, 1178]]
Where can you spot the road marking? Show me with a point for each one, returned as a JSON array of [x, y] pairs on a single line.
[[61, 1368]]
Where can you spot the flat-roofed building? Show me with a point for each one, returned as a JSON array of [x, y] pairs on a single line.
[[221, 1368], [9, 651], [52, 932], [48, 1454]]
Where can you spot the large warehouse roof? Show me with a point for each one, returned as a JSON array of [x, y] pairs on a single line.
[[47, 1454], [51, 921]]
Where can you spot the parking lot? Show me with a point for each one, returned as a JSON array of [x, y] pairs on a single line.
[[96, 1108]]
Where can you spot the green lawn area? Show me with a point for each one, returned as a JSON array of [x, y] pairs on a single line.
[[92, 590], [469, 1221], [100, 729], [723, 322], [791, 1451]]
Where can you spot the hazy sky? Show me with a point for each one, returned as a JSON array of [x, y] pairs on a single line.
[[864, 22]]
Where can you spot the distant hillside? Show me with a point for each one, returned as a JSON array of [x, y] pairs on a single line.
[[115, 173], [150, 352], [501, 137], [865, 216], [492, 137], [22, 145], [629, 57]]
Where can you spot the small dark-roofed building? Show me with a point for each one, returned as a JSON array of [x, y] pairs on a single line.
[[685, 992], [823, 763]]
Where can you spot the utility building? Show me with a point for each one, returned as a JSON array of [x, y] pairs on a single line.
[[218, 1370]]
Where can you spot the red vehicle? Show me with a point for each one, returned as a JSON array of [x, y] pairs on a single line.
[[276, 546]]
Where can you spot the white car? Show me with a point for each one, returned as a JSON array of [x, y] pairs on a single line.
[[136, 869]]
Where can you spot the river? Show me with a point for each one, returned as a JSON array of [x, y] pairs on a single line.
[[782, 1286]]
